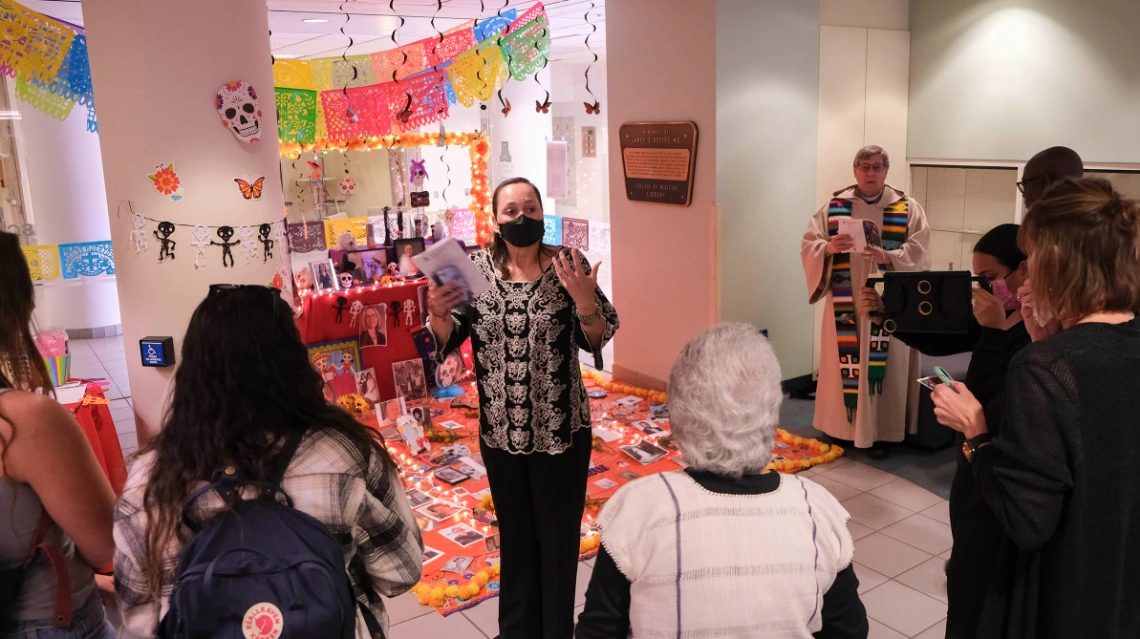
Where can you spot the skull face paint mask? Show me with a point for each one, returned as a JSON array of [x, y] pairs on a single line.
[[238, 107]]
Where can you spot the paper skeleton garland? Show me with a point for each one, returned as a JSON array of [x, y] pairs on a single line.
[[225, 233], [355, 310], [266, 243], [200, 238], [138, 235], [238, 107], [167, 229], [248, 246]]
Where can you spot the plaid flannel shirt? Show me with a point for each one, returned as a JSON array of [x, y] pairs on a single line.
[[369, 516]]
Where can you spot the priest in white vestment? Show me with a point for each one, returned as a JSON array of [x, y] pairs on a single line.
[[865, 378]]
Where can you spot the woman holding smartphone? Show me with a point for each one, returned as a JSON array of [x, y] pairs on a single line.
[[997, 333], [543, 305]]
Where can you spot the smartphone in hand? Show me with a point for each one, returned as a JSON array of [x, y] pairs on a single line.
[[940, 377]]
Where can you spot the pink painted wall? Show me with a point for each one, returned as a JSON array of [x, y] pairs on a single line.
[[662, 61], [156, 69]]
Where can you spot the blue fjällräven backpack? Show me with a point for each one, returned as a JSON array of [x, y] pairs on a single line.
[[259, 569]]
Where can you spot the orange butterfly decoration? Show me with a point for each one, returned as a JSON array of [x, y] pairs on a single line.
[[251, 191], [507, 108], [593, 109], [540, 107]]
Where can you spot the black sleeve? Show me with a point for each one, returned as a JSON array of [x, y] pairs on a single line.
[[844, 616], [941, 345], [1025, 475], [606, 615], [989, 364]]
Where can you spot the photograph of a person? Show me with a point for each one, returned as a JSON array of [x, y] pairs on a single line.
[[462, 534], [367, 387], [372, 265], [324, 276], [440, 510], [411, 384], [422, 414], [390, 411], [472, 470], [374, 326], [431, 554], [648, 427], [417, 498], [457, 565], [493, 544], [450, 475], [644, 452], [406, 251]]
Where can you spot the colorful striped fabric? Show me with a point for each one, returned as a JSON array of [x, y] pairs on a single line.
[[895, 218]]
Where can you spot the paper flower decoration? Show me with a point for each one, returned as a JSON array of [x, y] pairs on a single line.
[[167, 182]]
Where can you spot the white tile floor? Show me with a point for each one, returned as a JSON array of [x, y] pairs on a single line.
[[901, 531], [107, 359]]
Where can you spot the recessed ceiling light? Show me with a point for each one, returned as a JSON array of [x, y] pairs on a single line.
[[315, 20]]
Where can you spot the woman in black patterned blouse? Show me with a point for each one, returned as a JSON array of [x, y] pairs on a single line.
[[543, 305]]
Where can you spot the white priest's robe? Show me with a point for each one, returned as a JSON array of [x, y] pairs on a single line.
[[883, 416]]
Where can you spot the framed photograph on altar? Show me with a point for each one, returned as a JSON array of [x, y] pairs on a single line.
[[374, 326], [367, 387], [324, 276], [368, 265], [409, 248], [337, 362], [411, 384], [422, 414]]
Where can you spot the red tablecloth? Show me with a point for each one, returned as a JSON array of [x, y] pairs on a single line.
[[95, 418], [318, 323]]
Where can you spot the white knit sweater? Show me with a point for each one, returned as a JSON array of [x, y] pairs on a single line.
[[703, 564]]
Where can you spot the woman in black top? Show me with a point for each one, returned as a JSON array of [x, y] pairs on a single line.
[[996, 334], [543, 305], [1060, 476]]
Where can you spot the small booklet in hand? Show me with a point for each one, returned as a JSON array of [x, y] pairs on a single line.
[[864, 232], [446, 261]]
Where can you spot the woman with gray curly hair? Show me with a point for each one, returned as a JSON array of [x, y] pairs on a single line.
[[725, 548]]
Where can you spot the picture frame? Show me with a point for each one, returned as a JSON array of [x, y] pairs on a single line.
[[410, 248], [324, 276]]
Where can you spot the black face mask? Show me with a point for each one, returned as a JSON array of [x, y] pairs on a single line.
[[523, 231]]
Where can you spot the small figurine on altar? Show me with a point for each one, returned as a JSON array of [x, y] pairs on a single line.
[[394, 272], [346, 242], [304, 280]]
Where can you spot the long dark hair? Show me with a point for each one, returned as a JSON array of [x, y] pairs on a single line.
[[500, 255], [19, 357], [243, 386]]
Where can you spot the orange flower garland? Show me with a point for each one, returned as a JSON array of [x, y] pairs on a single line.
[[477, 144]]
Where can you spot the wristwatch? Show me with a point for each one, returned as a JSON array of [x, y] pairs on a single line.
[[973, 445]]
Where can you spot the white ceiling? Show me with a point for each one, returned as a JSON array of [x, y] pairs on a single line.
[[372, 23]]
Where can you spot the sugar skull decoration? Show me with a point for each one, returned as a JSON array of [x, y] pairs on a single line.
[[238, 107], [418, 173], [345, 280], [347, 188]]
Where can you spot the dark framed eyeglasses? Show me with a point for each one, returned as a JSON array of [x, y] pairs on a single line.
[[1021, 184]]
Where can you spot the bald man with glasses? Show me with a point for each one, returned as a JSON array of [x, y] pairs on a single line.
[[865, 378]]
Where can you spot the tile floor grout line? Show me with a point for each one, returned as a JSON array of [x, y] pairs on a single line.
[[917, 591]]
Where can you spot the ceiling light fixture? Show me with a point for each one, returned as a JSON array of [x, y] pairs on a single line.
[[315, 20]]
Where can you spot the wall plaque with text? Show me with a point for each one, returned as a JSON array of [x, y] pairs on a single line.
[[659, 159]]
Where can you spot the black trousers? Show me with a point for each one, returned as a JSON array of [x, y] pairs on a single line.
[[539, 500]]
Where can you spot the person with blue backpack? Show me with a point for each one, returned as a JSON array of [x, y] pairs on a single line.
[[260, 509]]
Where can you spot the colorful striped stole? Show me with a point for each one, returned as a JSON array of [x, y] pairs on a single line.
[[894, 234]]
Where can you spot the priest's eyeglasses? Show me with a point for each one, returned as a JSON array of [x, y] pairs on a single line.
[[870, 168]]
